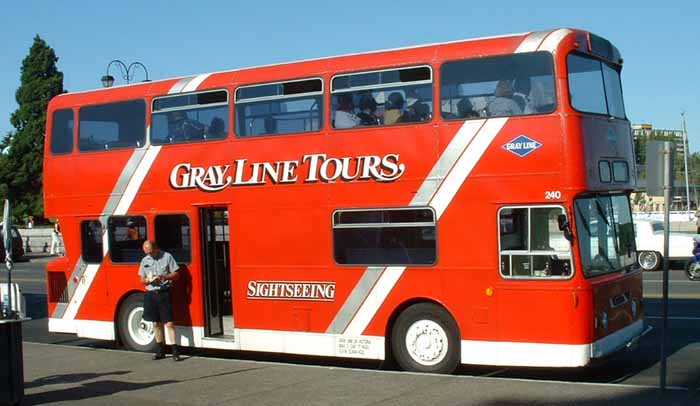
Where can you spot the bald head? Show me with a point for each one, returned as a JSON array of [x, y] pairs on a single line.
[[150, 247]]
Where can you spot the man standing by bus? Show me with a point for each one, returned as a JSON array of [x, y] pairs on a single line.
[[158, 270]]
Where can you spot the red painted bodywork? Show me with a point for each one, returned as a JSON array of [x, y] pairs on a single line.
[[283, 232]]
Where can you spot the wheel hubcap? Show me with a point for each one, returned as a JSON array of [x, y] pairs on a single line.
[[426, 342], [694, 271], [140, 330]]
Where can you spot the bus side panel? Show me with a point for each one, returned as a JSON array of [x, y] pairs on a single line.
[[280, 233], [536, 312]]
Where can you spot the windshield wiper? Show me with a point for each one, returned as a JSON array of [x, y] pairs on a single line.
[[601, 212], [583, 223]]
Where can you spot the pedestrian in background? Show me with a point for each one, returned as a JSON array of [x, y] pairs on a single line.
[[56, 238]]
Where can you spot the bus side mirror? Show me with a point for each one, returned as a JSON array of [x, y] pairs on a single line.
[[565, 227]]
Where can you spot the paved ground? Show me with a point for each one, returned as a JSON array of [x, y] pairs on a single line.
[[88, 372], [67, 375]]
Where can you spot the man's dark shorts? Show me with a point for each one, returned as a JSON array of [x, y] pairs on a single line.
[[157, 307]]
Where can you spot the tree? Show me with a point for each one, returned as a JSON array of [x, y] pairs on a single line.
[[20, 168]]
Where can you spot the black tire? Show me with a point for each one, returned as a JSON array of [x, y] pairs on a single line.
[[692, 271], [133, 331], [649, 260], [425, 338]]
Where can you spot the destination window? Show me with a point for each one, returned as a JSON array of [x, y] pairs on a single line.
[[62, 132], [91, 232], [173, 234], [385, 97], [126, 237], [497, 86], [111, 126], [621, 171], [190, 117], [279, 108], [531, 244], [395, 236]]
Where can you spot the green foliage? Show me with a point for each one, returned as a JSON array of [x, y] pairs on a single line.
[[21, 168]]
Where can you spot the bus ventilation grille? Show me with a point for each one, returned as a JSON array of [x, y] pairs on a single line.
[[57, 287]]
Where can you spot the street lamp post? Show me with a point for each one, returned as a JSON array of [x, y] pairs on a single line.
[[685, 157], [126, 71]]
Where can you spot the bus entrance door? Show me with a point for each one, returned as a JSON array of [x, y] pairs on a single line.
[[216, 271]]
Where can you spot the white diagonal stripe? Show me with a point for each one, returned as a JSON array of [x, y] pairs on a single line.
[[86, 279], [135, 182], [177, 87], [127, 197], [88, 276], [81, 290], [465, 164], [374, 300], [444, 180], [446, 161], [478, 138], [531, 42], [552, 41], [194, 83]]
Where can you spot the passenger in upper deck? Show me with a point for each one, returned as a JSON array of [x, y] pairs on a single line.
[[345, 115], [176, 125], [181, 128], [393, 108], [368, 107], [416, 110], [465, 109], [503, 103], [217, 128], [521, 94]]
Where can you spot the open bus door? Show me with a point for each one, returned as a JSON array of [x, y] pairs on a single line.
[[216, 271]]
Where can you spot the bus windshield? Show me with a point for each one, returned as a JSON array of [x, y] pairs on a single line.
[[605, 234], [594, 86]]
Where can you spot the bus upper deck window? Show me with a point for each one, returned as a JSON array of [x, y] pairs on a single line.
[[498, 86], [62, 132], [190, 117], [386, 97], [294, 106], [112, 126]]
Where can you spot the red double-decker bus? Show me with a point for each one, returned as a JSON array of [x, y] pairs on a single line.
[[463, 202]]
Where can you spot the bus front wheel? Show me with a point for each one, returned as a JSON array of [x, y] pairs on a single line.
[[425, 338], [135, 333], [649, 260]]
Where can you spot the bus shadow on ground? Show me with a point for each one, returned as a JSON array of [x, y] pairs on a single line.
[[639, 397]]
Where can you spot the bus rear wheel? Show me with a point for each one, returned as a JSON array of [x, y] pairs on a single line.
[[425, 338], [135, 333]]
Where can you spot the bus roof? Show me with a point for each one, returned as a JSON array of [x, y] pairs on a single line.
[[319, 59]]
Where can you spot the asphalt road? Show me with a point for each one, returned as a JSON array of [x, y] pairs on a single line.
[[637, 366]]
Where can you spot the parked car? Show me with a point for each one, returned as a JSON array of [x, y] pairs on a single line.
[[17, 245], [649, 236]]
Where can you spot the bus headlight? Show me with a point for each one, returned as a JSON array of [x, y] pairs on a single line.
[[604, 320], [634, 307]]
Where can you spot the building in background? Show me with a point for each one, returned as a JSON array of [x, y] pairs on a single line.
[[641, 134]]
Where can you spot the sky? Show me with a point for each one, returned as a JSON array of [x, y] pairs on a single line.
[[660, 44]]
